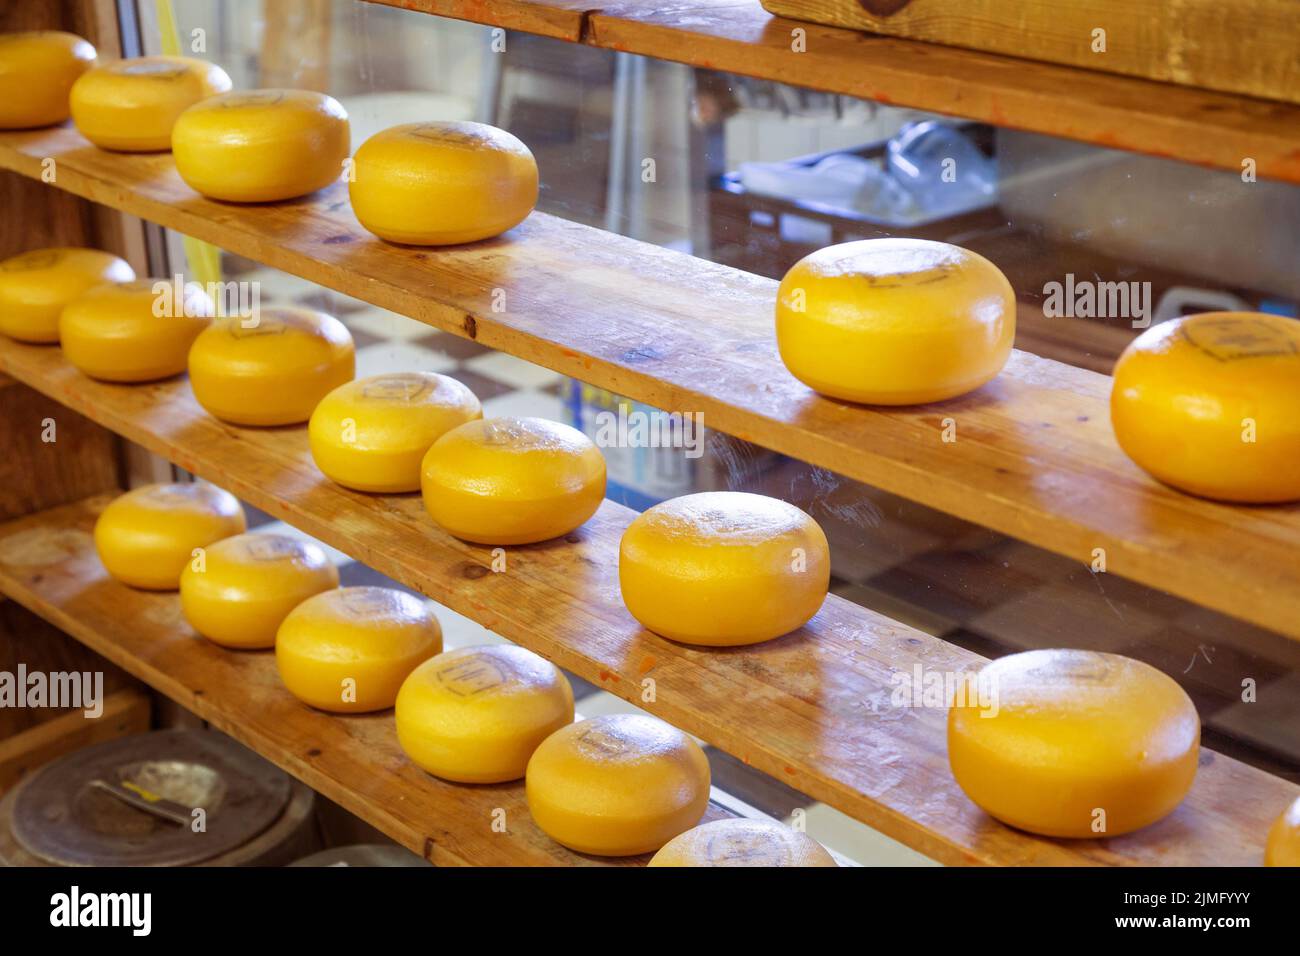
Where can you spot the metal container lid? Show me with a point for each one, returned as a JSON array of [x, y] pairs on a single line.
[[134, 801], [363, 854]]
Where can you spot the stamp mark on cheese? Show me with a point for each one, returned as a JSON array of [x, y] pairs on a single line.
[[475, 674], [1236, 338]]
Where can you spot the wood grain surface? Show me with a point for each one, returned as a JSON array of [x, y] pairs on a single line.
[[813, 708], [738, 36], [1034, 458], [1247, 46]]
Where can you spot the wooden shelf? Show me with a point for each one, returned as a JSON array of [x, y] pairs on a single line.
[[812, 709], [48, 564], [739, 36], [1034, 457]]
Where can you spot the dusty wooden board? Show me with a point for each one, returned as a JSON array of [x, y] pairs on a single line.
[[1247, 47], [1034, 457], [48, 564], [812, 709], [739, 36]]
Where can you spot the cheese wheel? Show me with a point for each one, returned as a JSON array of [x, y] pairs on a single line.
[[273, 372], [37, 70], [246, 585], [133, 331], [505, 481], [436, 184], [372, 434], [1074, 743], [348, 650], [1210, 404], [131, 105], [475, 715], [261, 146], [36, 285], [894, 321], [1283, 847], [723, 568], [148, 536], [617, 785], [741, 842]]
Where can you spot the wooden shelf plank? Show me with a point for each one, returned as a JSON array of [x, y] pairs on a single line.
[[813, 709], [48, 564], [1034, 457], [738, 36]]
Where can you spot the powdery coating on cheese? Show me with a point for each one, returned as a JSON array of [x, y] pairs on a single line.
[[517, 446], [899, 286], [728, 518], [468, 136], [366, 608], [741, 842], [406, 389], [253, 116], [260, 549], [1118, 707], [889, 263], [190, 496], [489, 671]]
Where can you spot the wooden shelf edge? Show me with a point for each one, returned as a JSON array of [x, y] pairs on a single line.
[[353, 760], [1208, 128], [1035, 457], [812, 709]]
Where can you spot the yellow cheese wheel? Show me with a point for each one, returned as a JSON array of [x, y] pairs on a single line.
[[741, 842], [372, 434], [894, 321], [617, 785], [1283, 848], [37, 70], [273, 372], [148, 536], [348, 650], [1074, 743], [1211, 404], [244, 586], [435, 184], [130, 332], [512, 480], [475, 715], [131, 105], [261, 146], [723, 568], [36, 285]]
